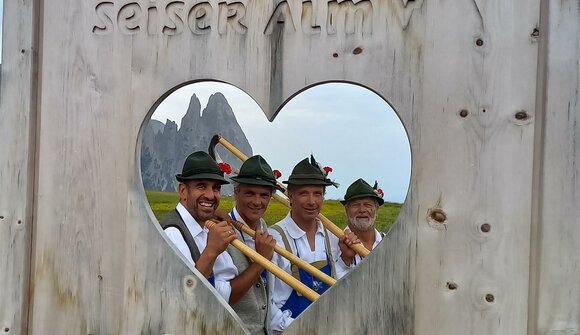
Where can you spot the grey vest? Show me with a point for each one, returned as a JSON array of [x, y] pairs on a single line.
[[252, 307], [173, 219]]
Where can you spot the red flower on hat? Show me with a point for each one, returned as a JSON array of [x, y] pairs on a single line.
[[277, 174], [327, 169], [380, 193], [225, 167]]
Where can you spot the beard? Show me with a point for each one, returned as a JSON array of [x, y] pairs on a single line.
[[362, 224]]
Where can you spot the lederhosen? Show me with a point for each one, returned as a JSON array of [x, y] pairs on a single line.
[[252, 307], [174, 219], [297, 303]]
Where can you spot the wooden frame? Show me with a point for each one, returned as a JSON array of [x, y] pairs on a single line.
[[484, 244]]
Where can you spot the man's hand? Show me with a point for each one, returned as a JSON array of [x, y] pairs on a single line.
[[221, 215], [218, 238], [265, 244], [344, 243]]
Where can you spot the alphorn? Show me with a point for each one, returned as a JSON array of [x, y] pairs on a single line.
[[290, 256], [359, 248], [271, 267]]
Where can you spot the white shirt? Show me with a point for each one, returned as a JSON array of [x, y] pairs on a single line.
[[280, 291], [224, 269], [357, 259]]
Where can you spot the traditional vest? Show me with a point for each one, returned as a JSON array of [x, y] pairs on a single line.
[[297, 303], [173, 219], [252, 307]]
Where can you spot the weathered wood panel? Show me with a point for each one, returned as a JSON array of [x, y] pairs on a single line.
[[470, 195], [555, 295], [101, 265], [462, 76], [477, 169], [17, 129]]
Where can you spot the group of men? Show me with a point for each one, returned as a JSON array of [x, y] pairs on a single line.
[[264, 303]]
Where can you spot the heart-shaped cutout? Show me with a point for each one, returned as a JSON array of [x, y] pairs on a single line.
[[330, 120]]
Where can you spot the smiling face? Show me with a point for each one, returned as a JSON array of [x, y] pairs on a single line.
[[252, 201], [306, 202], [200, 197], [361, 213]]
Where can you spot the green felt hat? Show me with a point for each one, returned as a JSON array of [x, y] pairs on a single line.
[[200, 165], [362, 189], [256, 171], [309, 173]]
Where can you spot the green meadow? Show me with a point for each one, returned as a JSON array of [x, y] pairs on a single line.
[[162, 202]]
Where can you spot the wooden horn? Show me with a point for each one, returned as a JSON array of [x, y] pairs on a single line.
[[359, 248], [271, 267], [291, 257]]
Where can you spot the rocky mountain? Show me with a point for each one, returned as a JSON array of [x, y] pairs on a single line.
[[164, 147]]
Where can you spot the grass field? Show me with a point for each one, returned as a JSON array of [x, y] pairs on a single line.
[[162, 202]]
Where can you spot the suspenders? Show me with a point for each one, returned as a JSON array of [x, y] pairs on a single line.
[[317, 264], [173, 219]]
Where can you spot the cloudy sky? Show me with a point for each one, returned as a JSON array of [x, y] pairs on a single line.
[[346, 127]]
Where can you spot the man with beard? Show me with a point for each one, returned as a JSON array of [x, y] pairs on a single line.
[[361, 202], [253, 189], [302, 234], [199, 196]]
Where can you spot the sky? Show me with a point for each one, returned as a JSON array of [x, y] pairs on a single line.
[[347, 127]]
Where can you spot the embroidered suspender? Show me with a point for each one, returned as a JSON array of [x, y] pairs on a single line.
[[317, 264]]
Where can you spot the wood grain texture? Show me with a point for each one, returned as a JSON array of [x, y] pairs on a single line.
[[17, 129], [461, 75], [467, 171], [476, 169], [555, 296], [101, 264]]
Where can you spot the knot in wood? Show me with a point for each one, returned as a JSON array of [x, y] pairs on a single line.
[[479, 42], [463, 113], [451, 286], [489, 298], [189, 282], [357, 50], [521, 115], [486, 227], [438, 215]]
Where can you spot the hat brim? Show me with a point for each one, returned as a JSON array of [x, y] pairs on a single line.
[[198, 176], [253, 181], [307, 181], [377, 198]]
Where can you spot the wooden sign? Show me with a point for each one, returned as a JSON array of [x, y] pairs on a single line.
[[488, 92]]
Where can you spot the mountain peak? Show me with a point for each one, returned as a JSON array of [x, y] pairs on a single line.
[[162, 155]]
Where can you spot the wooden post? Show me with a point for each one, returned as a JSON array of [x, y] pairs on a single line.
[[17, 152]]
